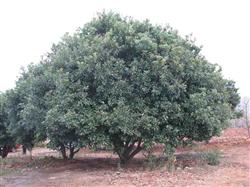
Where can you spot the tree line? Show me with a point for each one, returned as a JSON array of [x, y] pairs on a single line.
[[118, 83]]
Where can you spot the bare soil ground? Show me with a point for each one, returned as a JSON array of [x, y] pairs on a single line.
[[100, 168]]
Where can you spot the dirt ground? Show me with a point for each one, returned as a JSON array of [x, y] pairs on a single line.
[[100, 168]]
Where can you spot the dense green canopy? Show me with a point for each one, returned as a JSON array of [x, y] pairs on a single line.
[[127, 84]]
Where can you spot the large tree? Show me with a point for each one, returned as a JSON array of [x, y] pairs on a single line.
[[132, 84]]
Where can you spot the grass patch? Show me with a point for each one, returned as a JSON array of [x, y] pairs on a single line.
[[10, 161], [153, 162], [7, 171], [212, 157], [6, 166], [47, 161], [198, 158]]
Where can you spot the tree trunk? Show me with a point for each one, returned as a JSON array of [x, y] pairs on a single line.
[[124, 160], [30, 154], [5, 151], [24, 150], [63, 151], [72, 152], [129, 151]]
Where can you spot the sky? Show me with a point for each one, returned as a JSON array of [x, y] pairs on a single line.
[[28, 29]]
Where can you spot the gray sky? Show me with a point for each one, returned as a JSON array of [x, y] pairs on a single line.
[[28, 28]]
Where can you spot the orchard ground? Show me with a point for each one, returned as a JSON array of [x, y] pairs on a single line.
[[100, 168]]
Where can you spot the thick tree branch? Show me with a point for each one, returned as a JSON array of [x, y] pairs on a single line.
[[77, 150]]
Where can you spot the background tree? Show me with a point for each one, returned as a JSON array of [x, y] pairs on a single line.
[[6, 140], [27, 106], [23, 133]]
